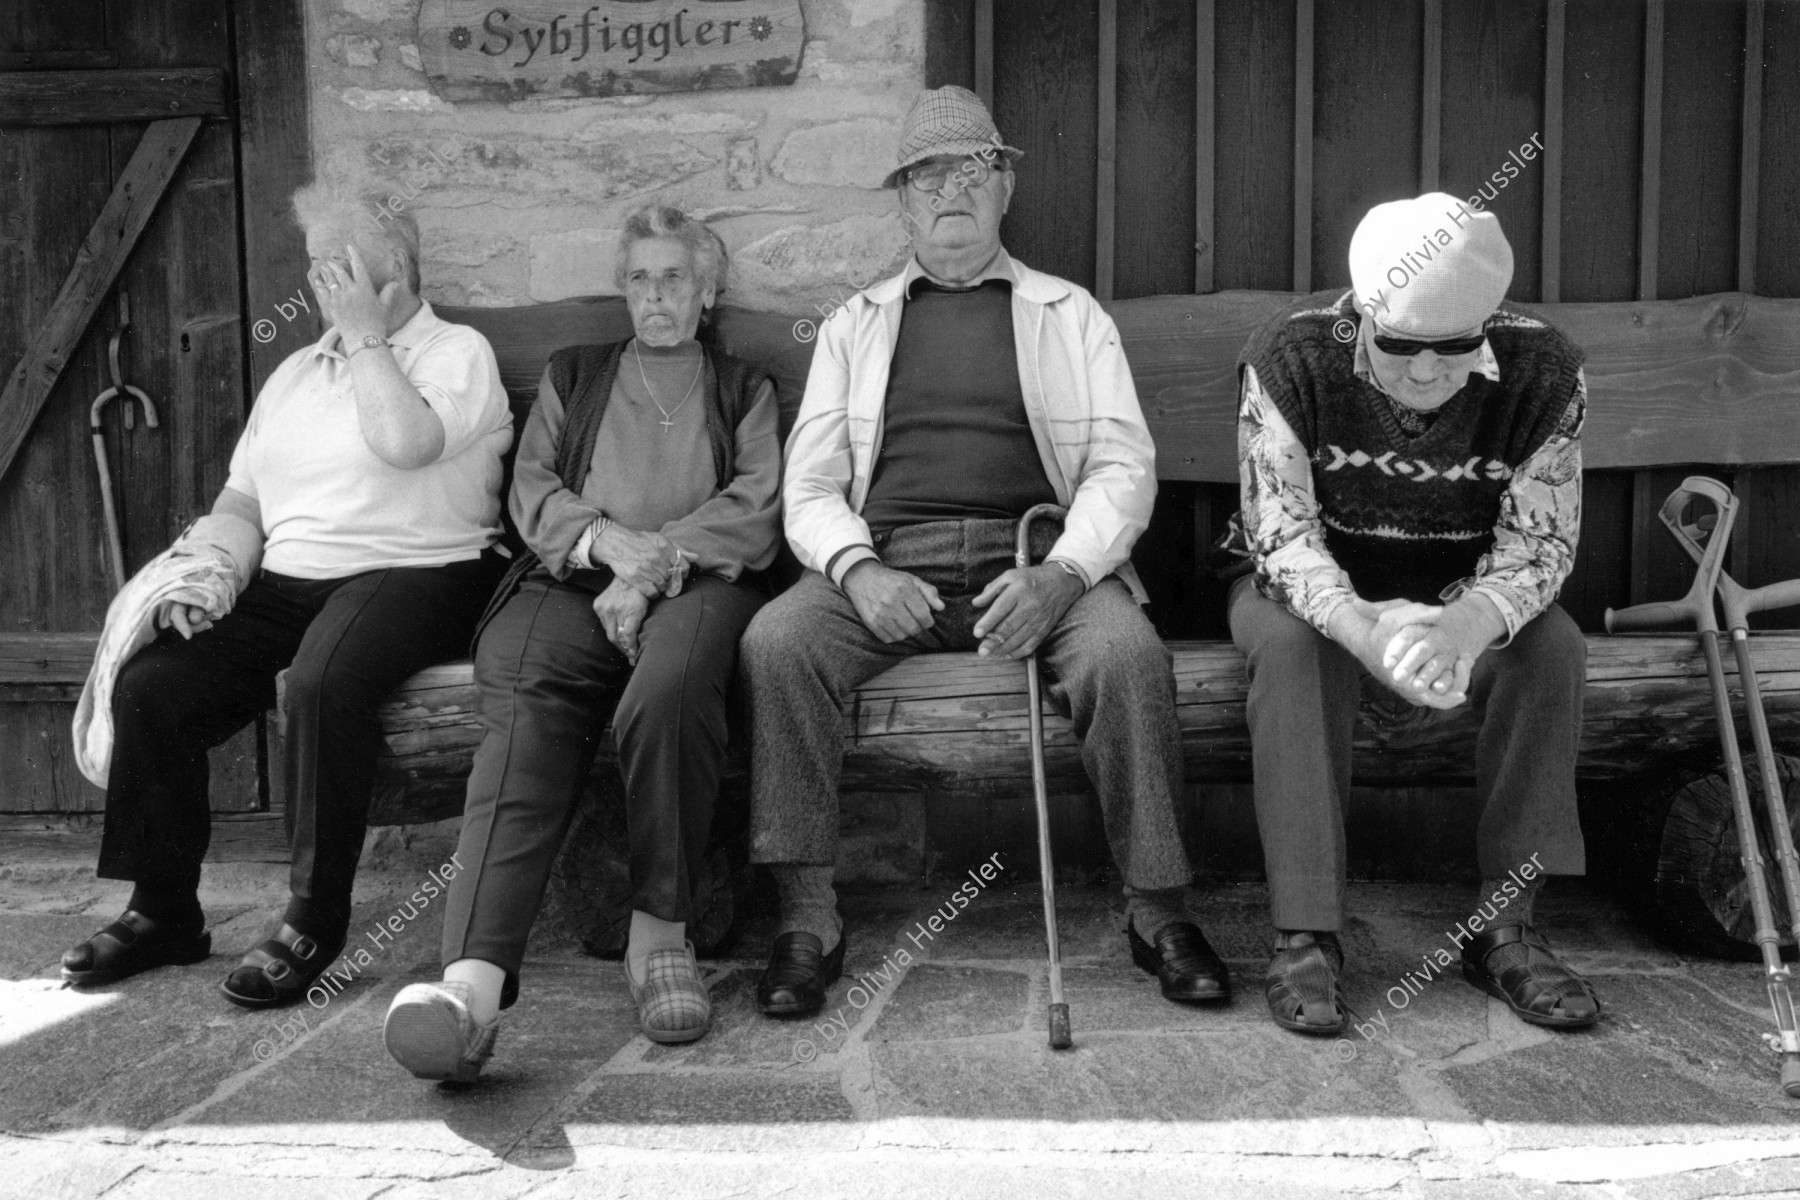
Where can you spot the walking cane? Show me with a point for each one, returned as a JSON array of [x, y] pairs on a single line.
[[114, 544], [1060, 1038], [1697, 607]]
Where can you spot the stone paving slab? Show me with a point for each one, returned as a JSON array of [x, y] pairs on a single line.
[[934, 1080]]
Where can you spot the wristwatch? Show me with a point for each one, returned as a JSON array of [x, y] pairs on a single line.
[[1071, 568], [369, 342]]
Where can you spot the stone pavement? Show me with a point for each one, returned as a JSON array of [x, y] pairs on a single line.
[[929, 1078]]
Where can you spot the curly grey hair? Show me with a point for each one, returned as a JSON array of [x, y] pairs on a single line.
[[665, 221], [365, 217]]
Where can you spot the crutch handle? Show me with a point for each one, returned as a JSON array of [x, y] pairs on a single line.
[[1785, 594], [1659, 615]]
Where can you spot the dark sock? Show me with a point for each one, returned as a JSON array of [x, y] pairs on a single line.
[[169, 905], [314, 921], [1150, 911], [1513, 910]]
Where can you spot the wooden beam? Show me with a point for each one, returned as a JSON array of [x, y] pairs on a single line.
[[1710, 379], [46, 659], [1106, 168], [959, 723], [97, 265], [1750, 147], [1550, 269], [984, 52], [1303, 148], [58, 60], [1206, 138], [1431, 104], [109, 97], [1650, 179]]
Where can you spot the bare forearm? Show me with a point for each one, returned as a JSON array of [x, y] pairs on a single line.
[[396, 422]]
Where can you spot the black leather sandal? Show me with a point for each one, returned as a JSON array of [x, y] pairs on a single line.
[[278, 971], [1543, 991], [1302, 988], [131, 944]]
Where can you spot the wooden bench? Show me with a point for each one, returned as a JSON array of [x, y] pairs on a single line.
[[1706, 380]]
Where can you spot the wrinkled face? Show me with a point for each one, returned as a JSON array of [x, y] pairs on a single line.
[[958, 215], [1425, 380], [663, 291]]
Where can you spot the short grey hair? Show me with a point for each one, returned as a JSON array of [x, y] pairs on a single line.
[[373, 215], [705, 247]]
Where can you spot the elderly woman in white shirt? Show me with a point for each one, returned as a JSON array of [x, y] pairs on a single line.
[[369, 476]]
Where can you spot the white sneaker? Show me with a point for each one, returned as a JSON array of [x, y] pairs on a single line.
[[431, 1033]]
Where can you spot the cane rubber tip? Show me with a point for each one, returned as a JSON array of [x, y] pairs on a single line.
[[1790, 1076], [1059, 1028]]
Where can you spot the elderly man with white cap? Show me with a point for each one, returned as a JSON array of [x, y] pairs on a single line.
[[943, 403], [1411, 479]]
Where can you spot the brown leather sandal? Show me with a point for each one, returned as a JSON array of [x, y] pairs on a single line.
[[1534, 992], [1302, 988]]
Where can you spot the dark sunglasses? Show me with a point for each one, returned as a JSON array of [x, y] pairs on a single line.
[[1407, 347]]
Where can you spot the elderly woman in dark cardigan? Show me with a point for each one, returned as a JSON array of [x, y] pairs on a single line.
[[647, 490]]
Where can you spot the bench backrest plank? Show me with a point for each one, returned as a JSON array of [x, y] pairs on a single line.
[[1712, 379]]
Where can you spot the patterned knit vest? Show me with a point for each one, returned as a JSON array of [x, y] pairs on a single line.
[[1411, 516], [583, 377]]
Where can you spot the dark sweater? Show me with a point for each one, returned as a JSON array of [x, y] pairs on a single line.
[[1407, 516], [956, 443]]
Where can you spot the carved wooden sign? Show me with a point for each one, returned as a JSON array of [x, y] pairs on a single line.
[[482, 50]]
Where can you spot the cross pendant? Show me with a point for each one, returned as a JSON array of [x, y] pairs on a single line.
[[666, 423]]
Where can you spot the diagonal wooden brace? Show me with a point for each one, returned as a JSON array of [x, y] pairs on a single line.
[[102, 256]]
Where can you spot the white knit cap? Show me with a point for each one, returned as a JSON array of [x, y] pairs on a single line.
[[1431, 267]]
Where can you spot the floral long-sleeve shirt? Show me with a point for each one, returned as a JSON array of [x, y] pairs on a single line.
[[1534, 538]]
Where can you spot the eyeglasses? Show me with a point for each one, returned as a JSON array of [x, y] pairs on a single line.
[[930, 177], [1447, 348]]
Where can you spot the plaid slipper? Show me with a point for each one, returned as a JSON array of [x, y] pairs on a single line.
[[430, 1032], [672, 1002]]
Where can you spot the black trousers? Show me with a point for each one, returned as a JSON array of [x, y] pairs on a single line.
[[345, 643], [548, 680]]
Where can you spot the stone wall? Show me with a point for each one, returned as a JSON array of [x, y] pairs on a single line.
[[522, 202]]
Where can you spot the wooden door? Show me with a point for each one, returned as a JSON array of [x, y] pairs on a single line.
[[186, 283]]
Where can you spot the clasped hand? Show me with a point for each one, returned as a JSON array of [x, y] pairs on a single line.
[[644, 560], [1424, 653], [1023, 606], [187, 619], [621, 609]]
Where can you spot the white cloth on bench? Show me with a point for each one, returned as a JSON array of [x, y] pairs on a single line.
[[207, 566]]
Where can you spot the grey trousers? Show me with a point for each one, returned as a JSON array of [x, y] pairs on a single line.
[[1304, 693], [548, 681], [807, 650]]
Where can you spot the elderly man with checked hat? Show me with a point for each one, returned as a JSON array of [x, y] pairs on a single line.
[[944, 402], [1410, 458]]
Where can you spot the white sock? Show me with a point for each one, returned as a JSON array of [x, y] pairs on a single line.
[[485, 979], [651, 933]]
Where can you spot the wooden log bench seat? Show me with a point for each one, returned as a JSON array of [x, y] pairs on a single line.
[[1712, 380]]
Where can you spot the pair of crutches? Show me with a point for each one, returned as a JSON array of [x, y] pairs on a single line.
[[1706, 546], [1060, 1038]]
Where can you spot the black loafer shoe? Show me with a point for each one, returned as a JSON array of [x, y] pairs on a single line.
[[799, 972], [131, 944], [1183, 960]]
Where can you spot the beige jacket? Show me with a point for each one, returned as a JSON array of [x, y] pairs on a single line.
[[1079, 398]]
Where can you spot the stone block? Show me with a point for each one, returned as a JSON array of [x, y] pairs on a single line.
[[575, 262], [408, 100], [817, 263], [743, 167], [856, 153], [409, 55], [355, 49]]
